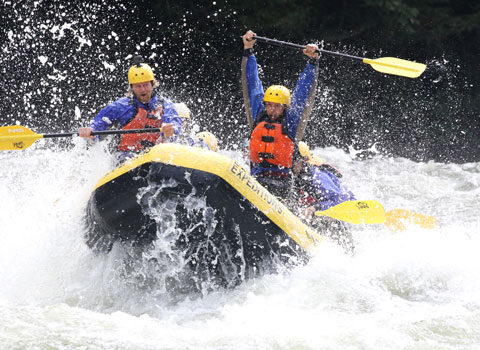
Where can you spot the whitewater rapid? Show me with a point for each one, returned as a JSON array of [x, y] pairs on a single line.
[[417, 289]]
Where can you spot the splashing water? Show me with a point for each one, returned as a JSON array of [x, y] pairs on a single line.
[[67, 60], [401, 290]]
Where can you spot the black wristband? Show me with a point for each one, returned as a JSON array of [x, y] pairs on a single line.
[[247, 52], [313, 61]]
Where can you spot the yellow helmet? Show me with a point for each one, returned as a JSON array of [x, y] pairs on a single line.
[[209, 139], [316, 160], [182, 110], [304, 149], [277, 94], [140, 73]]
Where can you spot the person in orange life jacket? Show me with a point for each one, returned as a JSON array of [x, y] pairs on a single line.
[[141, 108], [277, 121], [317, 184]]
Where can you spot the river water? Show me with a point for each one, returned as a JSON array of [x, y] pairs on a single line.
[[417, 289]]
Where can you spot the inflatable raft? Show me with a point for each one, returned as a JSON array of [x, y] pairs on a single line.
[[202, 205]]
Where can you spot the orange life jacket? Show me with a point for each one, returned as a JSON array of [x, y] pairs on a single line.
[[142, 120], [270, 146]]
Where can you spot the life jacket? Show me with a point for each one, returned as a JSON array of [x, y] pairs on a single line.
[[270, 145], [142, 120], [306, 199]]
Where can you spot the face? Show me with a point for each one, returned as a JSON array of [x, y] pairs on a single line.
[[274, 110], [143, 91]]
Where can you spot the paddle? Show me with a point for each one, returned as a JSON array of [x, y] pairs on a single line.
[[17, 137], [387, 65], [356, 212], [372, 212], [396, 219]]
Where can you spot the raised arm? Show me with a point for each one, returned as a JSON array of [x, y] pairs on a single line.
[[252, 88], [303, 98]]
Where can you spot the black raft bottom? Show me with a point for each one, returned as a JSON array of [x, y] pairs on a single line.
[[212, 230]]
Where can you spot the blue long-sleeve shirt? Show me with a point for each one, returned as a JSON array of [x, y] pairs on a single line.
[[118, 113], [294, 114], [326, 189]]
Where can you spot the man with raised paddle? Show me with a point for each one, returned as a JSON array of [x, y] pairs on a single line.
[[276, 118]]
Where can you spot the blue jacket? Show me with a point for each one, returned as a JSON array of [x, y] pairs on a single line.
[[118, 113], [302, 91], [324, 188]]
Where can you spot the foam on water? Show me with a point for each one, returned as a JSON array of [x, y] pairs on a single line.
[[415, 289]]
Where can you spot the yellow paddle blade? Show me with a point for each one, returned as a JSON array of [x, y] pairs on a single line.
[[16, 137], [398, 218], [396, 66], [356, 212]]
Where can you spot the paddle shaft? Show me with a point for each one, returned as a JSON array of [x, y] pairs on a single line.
[[19, 137], [105, 132], [296, 46]]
